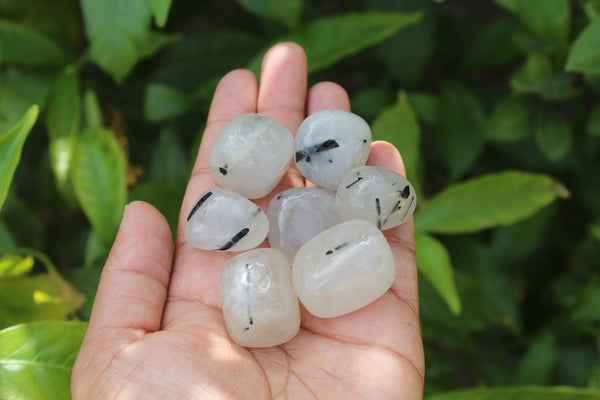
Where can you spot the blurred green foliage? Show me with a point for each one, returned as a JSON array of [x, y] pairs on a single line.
[[494, 106]]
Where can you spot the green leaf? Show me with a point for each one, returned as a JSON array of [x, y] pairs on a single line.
[[407, 52], [584, 55], [491, 48], [593, 124], [538, 76], [549, 19], [22, 45], [162, 102], [510, 120], [119, 34], [398, 125], [515, 241], [92, 111], [286, 11], [520, 393], [7, 241], [434, 262], [426, 106], [42, 296], [588, 308], [63, 121], [494, 199], [200, 58], [12, 108], [330, 39], [100, 181], [368, 103], [169, 161], [552, 132], [11, 144], [462, 126], [15, 265], [160, 9], [32, 86], [36, 359], [537, 366]]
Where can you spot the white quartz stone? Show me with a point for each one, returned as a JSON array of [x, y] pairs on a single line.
[[328, 144], [378, 195], [251, 155], [297, 215], [343, 269], [224, 220], [259, 303]]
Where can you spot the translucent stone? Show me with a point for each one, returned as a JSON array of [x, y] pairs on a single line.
[[378, 195], [224, 220], [251, 155], [259, 303], [343, 269], [297, 215], [328, 144]]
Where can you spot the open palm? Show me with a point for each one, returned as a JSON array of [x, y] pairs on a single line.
[[157, 330]]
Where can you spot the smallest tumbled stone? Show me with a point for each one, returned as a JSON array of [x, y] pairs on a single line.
[[378, 195], [224, 220]]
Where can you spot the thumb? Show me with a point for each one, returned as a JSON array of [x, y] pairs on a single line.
[[133, 287]]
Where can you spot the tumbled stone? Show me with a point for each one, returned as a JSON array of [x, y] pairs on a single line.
[[251, 155], [224, 220], [378, 195], [297, 215], [259, 303], [328, 144], [343, 269]]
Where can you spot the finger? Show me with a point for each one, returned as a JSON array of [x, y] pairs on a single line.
[[282, 92], [235, 95], [326, 96], [133, 286], [402, 238], [195, 272]]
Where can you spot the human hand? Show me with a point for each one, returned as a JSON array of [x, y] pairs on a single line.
[[157, 330]]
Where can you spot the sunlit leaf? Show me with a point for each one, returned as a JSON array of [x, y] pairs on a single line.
[[100, 180], [160, 9], [63, 121], [11, 144], [119, 34], [434, 262], [480, 203], [42, 296], [15, 265], [36, 359]]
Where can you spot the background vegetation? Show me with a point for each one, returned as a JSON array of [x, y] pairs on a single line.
[[493, 104]]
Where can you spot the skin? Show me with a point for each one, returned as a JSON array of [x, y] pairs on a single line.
[[157, 331]]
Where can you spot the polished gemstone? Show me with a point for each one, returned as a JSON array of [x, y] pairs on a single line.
[[223, 220], [251, 155], [328, 144], [378, 195], [297, 215], [259, 303], [343, 269]]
